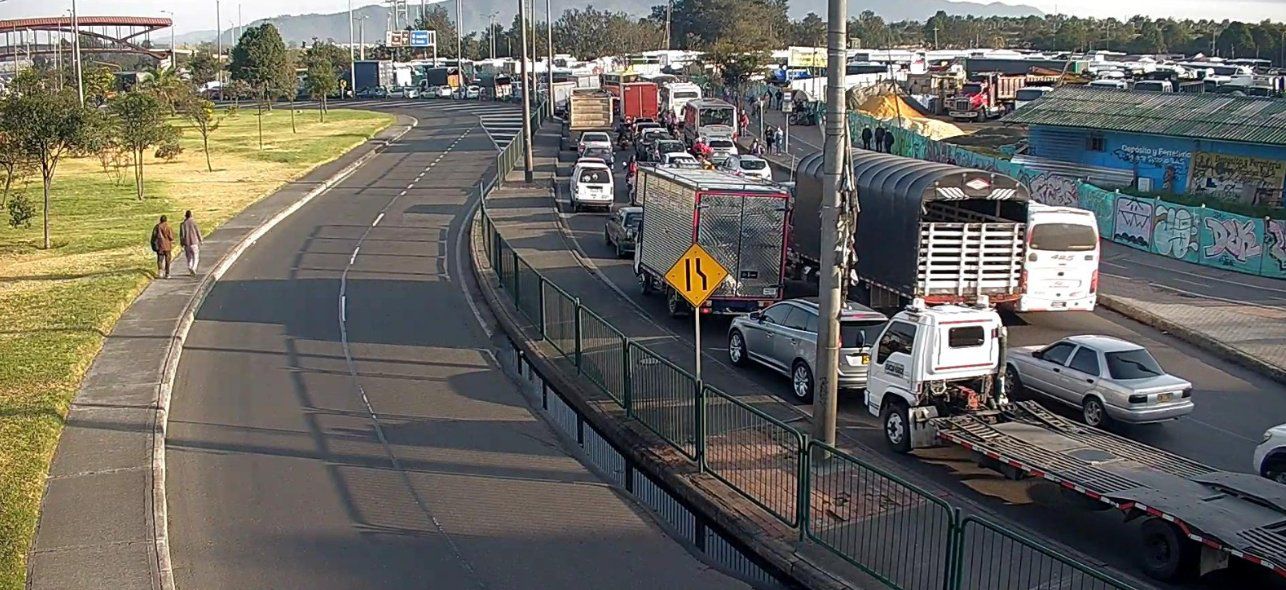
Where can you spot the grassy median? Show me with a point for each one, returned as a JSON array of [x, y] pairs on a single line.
[[57, 305]]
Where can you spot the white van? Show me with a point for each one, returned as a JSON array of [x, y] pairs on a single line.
[[1110, 84], [591, 185], [1060, 272]]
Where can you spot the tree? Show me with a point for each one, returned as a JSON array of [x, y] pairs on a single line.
[[259, 60], [13, 162], [140, 118], [167, 86], [201, 113], [99, 81], [809, 32], [205, 68], [1236, 40], [46, 126], [735, 65], [321, 80]]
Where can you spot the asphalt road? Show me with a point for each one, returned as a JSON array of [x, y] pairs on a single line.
[[1234, 405], [337, 420]]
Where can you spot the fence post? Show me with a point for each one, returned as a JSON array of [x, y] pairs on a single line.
[[805, 499], [955, 553], [626, 381], [700, 426], [517, 278], [579, 348], [540, 300]]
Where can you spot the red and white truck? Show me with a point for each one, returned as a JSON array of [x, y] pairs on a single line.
[[986, 96], [639, 100]]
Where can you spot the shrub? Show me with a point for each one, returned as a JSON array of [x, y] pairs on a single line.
[[21, 211], [169, 150]]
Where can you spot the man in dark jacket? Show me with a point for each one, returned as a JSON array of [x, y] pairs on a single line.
[[866, 138], [888, 142], [879, 138], [162, 245]]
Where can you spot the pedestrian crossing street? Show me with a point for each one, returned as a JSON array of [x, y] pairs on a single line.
[[502, 121]]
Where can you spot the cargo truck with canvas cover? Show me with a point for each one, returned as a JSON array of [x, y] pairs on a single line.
[[929, 231], [741, 222]]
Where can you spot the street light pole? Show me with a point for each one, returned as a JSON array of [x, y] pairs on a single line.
[[833, 255], [528, 164], [174, 58], [361, 36], [668, 43], [549, 40], [218, 43], [352, 66], [75, 56], [459, 51]]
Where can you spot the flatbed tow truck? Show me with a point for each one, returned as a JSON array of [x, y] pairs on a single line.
[[1198, 516], [936, 377]]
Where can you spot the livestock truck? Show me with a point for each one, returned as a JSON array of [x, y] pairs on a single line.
[[933, 232], [741, 222]]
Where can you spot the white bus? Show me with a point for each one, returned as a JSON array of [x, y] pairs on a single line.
[[676, 94], [1061, 269], [708, 118]]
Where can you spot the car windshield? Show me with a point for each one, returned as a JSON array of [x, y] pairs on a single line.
[[596, 137], [633, 220], [667, 146], [859, 333], [687, 94], [721, 144], [594, 176], [604, 154], [1132, 364], [1029, 94], [753, 164], [716, 116], [1063, 237]]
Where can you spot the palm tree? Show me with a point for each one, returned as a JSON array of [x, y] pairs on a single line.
[[167, 85]]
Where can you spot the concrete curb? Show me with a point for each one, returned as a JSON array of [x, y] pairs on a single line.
[[160, 517], [733, 513], [1213, 345]]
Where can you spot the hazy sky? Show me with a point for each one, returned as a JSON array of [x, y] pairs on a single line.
[[192, 15]]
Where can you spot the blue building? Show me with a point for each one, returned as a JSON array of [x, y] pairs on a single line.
[[1232, 147]]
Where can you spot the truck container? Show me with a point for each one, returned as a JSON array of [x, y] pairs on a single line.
[[562, 95], [929, 231], [639, 100], [371, 73], [741, 222], [589, 110]]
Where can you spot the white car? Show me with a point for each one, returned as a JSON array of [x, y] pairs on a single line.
[[443, 92], [722, 148], [411, 92], [473, 93], [680, 160], [592, 185], [749, 166], [593, 139], [1270, 455]]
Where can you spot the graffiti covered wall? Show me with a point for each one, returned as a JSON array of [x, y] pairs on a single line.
[[1193, 234], [1239, 178]]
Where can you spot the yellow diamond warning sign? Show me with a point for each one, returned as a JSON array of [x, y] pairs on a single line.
[[696, 275]]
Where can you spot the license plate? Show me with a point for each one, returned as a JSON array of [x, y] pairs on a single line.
[[1058, 304], [858, 360], [1164, 397], [963, 114]]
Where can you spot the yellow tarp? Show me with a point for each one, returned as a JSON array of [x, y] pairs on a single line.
[[890, 107]]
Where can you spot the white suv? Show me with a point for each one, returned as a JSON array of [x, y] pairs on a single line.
[[1270, 455], [591, 185]]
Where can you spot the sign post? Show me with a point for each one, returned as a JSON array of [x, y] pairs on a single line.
[[696, 276]]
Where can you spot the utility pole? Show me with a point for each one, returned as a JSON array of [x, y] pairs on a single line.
[[361, 36], [218, 44], [75, 54], [528, 165], [491, 34], [935, 37], [549, 40], [174, 56], [459, 47], [833, 246], [352, 66], [668, 43]]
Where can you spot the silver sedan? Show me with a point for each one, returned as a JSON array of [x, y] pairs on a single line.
[[784, 337], [1107, 378]]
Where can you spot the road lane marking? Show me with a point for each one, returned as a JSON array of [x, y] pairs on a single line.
[[402, 194], [353, 258], [378, 218]]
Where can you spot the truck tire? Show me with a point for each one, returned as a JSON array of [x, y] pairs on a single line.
[[645, 285], [1168, 554], [675, 304], [897, 426]]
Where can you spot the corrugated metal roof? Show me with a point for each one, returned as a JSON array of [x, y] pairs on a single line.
[[1199, 116]]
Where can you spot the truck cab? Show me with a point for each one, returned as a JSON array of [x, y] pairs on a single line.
[[930, 362]]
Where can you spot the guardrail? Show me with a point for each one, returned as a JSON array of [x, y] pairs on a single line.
[[900, 534]]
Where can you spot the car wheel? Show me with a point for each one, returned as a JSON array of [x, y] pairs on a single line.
[[801, 382], [620, 252], [737, 348], [646, 285], [607, 237], [1167, 554], [1276, 470], [897, 426], [1093, 412], [1016, 390]]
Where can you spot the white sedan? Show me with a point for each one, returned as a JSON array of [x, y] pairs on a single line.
[[1270, 455], [751, 166]]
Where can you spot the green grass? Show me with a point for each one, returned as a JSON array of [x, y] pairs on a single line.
[[57, 305]]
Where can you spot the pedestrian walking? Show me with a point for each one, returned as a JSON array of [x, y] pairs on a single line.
[[745, 122], [162, 245], [879, 138], [781, 140], [888, 142], [866, 137], [770, 138], [190, 240]]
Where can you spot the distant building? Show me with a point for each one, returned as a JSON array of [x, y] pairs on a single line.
[[1233, 147]]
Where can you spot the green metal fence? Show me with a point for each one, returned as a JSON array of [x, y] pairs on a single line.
[[900, 534], [759, 456]]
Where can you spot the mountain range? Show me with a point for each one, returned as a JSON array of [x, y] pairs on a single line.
[[306, 27]]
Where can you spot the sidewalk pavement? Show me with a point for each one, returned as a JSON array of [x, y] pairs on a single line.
[[103, 516], [1239, 317]]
